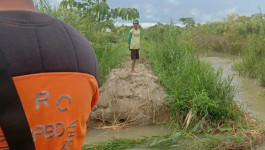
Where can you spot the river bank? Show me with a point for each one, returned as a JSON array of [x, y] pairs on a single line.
[[249, 98]]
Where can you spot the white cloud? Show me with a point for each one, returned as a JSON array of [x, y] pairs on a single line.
[[195, 12], [147, 25], [207, 18], [149, 16], [203, 17], [228, 11], [144, 24], [175, 2], [148, 8], [137, 6], [149, 12]]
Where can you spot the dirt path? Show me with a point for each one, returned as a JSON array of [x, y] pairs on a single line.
[[127, 98]]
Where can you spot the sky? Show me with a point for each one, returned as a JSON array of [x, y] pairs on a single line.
[[203, 11]]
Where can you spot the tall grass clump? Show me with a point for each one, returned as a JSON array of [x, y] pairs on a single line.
[[115, 144], [253, 63], [199, 98]]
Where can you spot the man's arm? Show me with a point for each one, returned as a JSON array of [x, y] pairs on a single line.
[[130, 39]]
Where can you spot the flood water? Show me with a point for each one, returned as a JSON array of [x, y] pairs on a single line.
[[250, 96], [132, 132]]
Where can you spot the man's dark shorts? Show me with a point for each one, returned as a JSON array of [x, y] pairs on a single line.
[[134, 54]]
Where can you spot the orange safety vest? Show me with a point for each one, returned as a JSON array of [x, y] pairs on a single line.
[[57, 90], [57, 106]]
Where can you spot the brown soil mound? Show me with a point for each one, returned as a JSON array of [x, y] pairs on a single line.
[[131, 97]]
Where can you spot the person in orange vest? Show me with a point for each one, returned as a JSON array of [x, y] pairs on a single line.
[[55, 71], [134, 43]]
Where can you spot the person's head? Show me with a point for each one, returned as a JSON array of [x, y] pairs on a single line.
[[135, 24], [22, 5]]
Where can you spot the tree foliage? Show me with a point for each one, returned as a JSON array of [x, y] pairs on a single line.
[[99, 10], [188, 22]]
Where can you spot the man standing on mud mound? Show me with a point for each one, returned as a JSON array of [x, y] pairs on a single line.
[[134, 43], [53, 71]]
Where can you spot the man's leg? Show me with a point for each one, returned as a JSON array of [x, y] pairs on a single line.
[[134, 56], [133, 64]]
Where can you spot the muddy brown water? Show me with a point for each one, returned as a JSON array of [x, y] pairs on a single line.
[[131, 132], [250, 96]]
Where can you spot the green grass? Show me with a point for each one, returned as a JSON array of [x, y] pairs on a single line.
[[252, 63], [193, 86], [115, 144], [110, 57]]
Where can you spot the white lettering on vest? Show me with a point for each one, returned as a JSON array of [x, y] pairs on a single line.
[[47, 131], [37, 131], [56, 129], [44, 100], [60, 99], [44, 96], [70, 136]]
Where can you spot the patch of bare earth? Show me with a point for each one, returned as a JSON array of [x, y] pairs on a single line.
[[130, 98]]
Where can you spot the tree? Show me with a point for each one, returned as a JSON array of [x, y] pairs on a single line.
[[188, 22], [99, 10]]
